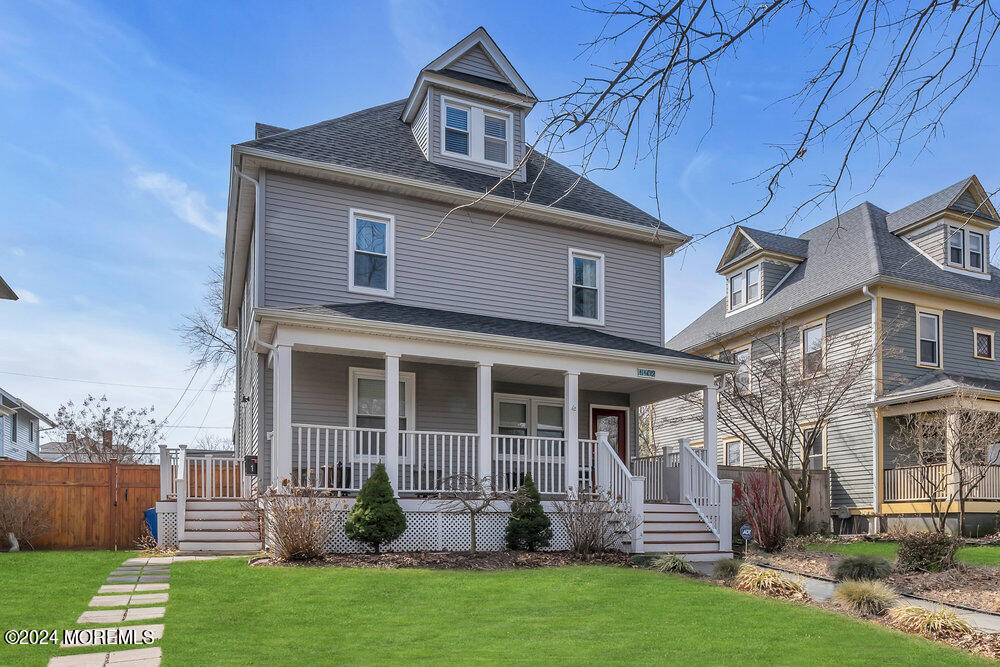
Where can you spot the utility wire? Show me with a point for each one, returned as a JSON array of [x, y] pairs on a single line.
[[111, 384]]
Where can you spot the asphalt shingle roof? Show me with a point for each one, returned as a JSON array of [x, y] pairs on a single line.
[[380, 311], [938, 201], [376, 139], [788, 245], [844, 254], [939, 382]]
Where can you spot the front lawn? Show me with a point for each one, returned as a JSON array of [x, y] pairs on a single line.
[[224, 612], [977, 555], [48, 590]]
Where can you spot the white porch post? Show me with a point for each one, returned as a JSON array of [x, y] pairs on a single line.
[[392, 420], [165, 472], [726, 515], [710, 417], [952, 426], [683, 472], [484, 422], [282, 440], [571, 428]]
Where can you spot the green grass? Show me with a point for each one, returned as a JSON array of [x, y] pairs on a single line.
[[223, 612], [48, 590], [978, 555]]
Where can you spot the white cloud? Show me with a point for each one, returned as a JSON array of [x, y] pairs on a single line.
[[17, 252], [26, 296], [417, 28], [187, 204]]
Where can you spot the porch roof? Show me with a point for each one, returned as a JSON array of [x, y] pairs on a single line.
[[939, 383], [380, 311]]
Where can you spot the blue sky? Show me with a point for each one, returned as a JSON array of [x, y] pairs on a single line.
[[117, 120]]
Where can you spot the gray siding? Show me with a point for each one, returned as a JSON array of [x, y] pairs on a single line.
[[476, 62], [850, 433], [930, 241], [772, 273], [25, 441], [517, 269], [420, 127], [966, 202], [434, 136]]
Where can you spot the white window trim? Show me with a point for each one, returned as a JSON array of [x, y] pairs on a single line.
[[587, 254], [390, 248], [748, 349], [532, 402], [940, 336], [826, 443], [628, 423], [965, 266], [968, 251], [760, 287], [802, 346], [477, 132], [976, 333], [725, 450], [409, 381]]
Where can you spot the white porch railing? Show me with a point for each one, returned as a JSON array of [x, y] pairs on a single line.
[[515, 456], [210, 477], [432, 461], [989, 488], [909, 483], [711, 497], [338, 458]]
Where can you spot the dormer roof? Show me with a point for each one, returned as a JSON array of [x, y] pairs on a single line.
[[967, 196], [747, 242], [475, 65]]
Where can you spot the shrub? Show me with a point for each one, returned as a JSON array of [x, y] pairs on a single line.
[[673, 563], [760, 499], [24, 515], [866, 597], [759, 580], [297, 524], [376, 517], [862, 568], [917, 619], [594, 522], [528, 528], [727, 568], [928, 552]]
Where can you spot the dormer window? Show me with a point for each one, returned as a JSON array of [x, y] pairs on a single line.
[[956, 248], [745, 287], [476, 133], [736, 291], [975, 251], [753, 283], [966, 249]]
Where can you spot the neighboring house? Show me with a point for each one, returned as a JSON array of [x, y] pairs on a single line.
[[500, 347], [6, 292], [60, 451], [922, 275], [19, 428]]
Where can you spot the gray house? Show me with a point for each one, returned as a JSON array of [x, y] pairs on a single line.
[[6, 292], [19, 428], [514, 334], [918, 279]]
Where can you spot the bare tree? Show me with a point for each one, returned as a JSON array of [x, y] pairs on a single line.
[[952, 452], [879, 76], [212, 345], [473, 496], [778, 403], [133, 432]]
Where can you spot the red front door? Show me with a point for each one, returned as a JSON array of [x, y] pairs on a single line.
[[613, 421]]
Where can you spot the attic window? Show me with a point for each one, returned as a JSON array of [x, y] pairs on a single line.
[[736, 291], [456, 130], [975, 251], [744, 287], [495, 138], [956, 248], [476, 133]]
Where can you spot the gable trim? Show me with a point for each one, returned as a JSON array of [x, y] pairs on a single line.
[[731, 246], [480, 37]]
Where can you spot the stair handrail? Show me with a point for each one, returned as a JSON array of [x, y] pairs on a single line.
[[182, 490], [711, 497], [633, 492]]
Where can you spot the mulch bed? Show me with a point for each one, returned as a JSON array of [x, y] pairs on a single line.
[[454, 560], [965, 585]]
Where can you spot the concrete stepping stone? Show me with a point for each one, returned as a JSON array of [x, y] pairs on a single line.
[[125, 573], [139, 657], [148, 598], [122, 580], [116, 588], [144, 613], [109, 601], [153, 578], [136, 561], [132, 634], [157, 569], [151, 587], [160, 560], [102, 616]]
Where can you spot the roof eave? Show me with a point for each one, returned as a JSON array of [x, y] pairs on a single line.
[[426, 78]]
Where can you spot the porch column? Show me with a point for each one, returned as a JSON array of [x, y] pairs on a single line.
[[951, 465], [710, 416], [571, 428], [392, 420], [165, 472], [484, 422], [282, 441]]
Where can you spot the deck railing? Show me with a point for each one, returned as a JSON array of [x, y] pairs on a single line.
[[515, 456], [431, 461], [711, 497], [211, 476], [911, 483], [338, 458], [989, 487], [655, 469]]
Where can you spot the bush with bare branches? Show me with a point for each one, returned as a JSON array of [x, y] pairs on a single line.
[[297, 522], [594, 521], [23, 516], [759, 497]]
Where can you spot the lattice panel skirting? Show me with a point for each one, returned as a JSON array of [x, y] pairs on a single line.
[[440, 531], [166, 530]]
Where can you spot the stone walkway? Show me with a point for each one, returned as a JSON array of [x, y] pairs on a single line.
[[135, 591]]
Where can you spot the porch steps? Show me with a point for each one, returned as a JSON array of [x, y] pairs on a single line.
[[220, 526], [677, 528]]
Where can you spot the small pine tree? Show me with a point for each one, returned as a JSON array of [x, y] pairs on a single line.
[[376, 517], [528, 527]]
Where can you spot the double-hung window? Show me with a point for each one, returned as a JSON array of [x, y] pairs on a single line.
[[753, 283], [586, 287], [734, 452], [966, 249], [476, 133], [812, 348], [371, 262], [817, 452], [956, 247], [928, 339], [736, 291], [975, 251], [742, 376], [367, 401], [745, 287]]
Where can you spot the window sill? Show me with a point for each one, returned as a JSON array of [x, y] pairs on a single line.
[[586, 320], [937, 368], [472, 160], [371, 291], [976, 356]]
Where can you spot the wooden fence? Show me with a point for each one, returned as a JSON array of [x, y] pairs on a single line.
[[91, 505]]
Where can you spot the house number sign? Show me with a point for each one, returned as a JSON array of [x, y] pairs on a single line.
[[645, 372]]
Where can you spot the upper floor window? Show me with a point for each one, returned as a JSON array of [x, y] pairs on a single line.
[[812, 348], [966, 249], [744, 287], [476, 133], [956, 248], [586, 287], [371, 262], [736, 291], [32, 430], [983, 341], [742, 376], [928, 339], [13, 427], [976, 251], [753, 283]]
